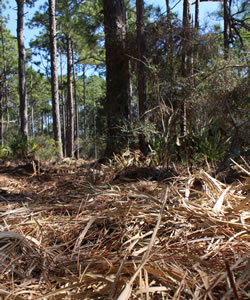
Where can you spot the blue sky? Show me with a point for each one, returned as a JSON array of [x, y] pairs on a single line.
[[205, 8]]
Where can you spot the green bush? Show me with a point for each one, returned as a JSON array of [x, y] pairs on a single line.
[[48, 148], [21, 148], [4, 152], [212, 143]]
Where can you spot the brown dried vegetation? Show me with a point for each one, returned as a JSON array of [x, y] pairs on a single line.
[[68, 233]]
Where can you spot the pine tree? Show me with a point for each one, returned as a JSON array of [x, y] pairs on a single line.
[[54, 79], [117, 73], [21, 70]]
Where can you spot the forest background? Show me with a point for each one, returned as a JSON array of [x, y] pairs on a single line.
[[187, 89], [163, 99]]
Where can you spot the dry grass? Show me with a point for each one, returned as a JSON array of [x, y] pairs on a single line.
[[63, 237]]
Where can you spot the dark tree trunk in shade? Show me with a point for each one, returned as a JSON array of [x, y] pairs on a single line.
[[117, 74], [70, 107], [130, 94], [21, 70], [197, 12], [54, 80], [168, 7], [141, 81], [130, 84]]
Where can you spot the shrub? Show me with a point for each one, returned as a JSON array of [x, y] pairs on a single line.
[[21, 148], [4, 152], [48, 148]]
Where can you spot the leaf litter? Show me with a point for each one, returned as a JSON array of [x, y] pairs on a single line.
[[70, 232]]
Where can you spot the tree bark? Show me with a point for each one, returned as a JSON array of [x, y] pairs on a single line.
[[196, 38], [32, 125], [130, 94], [70, 107], [31, 104], [186, 61], [84, 102], [141, 81], [170, 44], [3, 85], [21, 70], [42, 122], [63, 108], [197, 12], [168, 8], [54, 80], [130, 84], [226, 27], [117, 74], [1, 115], [76, 109]]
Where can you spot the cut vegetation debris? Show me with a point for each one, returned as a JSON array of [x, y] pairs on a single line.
[[65, 236]]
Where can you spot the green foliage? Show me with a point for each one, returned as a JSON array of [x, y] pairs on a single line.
[[133, 129], [41, 147], [21, 148], [48, 148], [158, 150], [4, 152], [211, 143], [91, 147]]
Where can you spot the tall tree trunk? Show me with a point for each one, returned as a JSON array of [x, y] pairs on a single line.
[[7, 115], [186, 39], [227, 7], [117, 74], [42, 123], [186, 61], [70, 107], [3, 84], [130, 94], [21, 70], [54, 80], [1, 116], [63, 108], [47, 118], [168, 8], [76, 108], [197, 12], [170, 44], [31, 104], [95, 129], [32, 120], [196, 36], [141, 81], [84, 102], [130, 84]]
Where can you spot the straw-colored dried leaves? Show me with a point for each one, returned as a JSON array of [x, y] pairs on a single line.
[[77, 236]]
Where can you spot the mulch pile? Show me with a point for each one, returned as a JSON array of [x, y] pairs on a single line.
[[79, 232]]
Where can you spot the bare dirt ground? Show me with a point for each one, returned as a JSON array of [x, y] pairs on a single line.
[[84, 231]]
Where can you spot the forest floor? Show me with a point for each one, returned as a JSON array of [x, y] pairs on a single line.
[[80, 230]]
